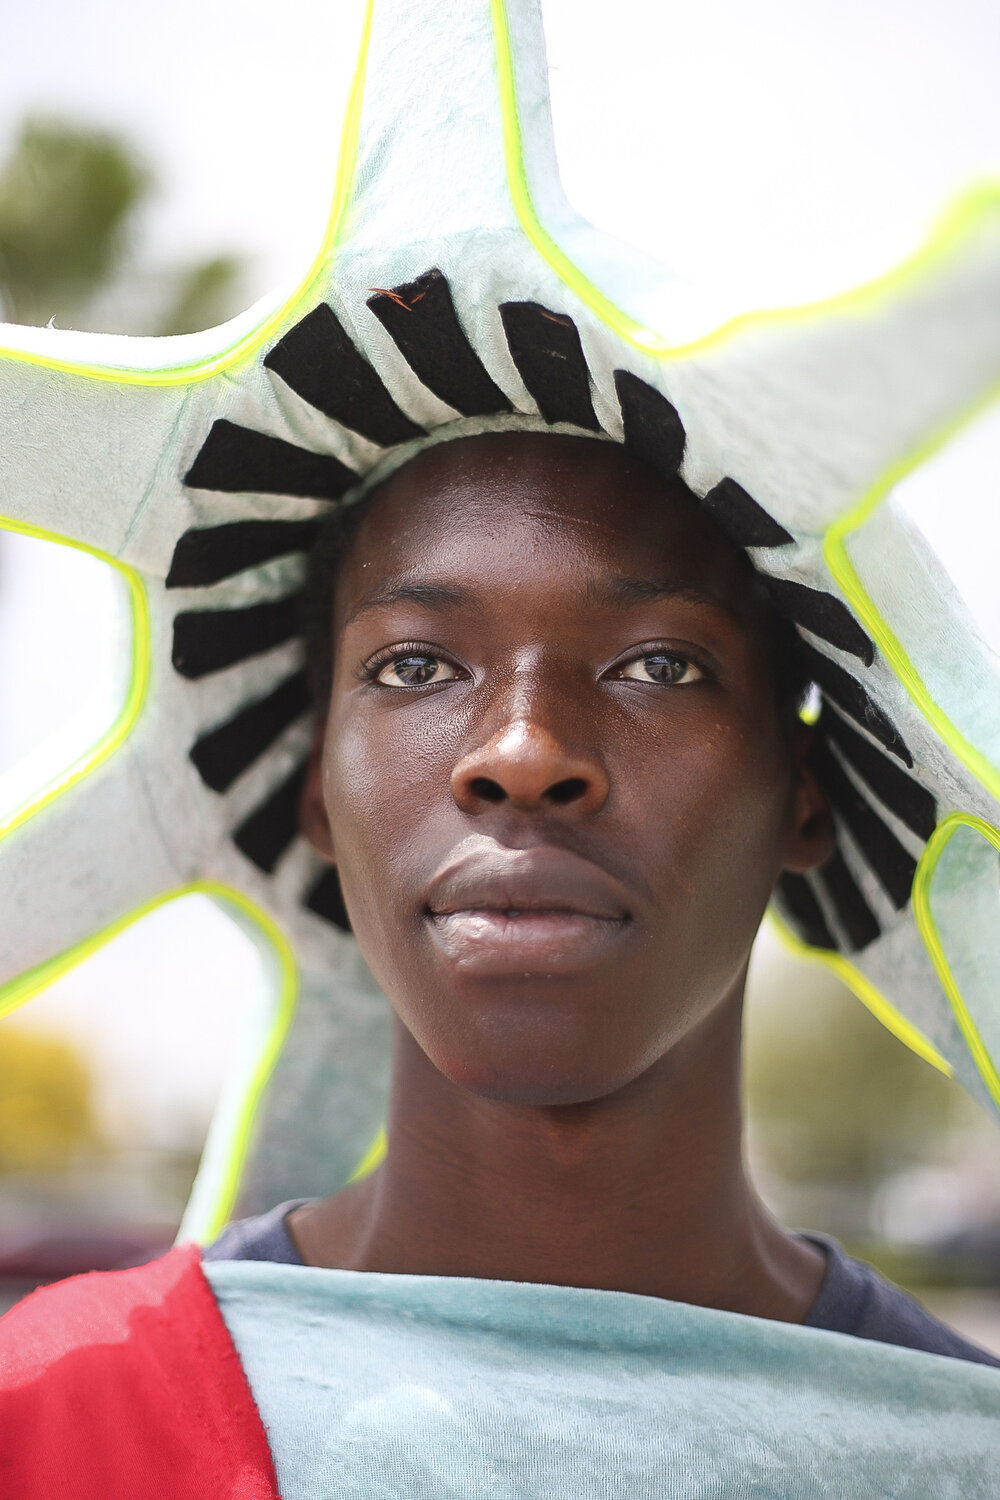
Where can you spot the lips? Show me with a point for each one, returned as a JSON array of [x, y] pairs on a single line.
[[539, 910]]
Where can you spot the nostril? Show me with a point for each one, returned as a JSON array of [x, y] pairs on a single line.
[[569, 790], [489, 791]]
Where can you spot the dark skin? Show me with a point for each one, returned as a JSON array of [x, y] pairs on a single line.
[[558, 788]]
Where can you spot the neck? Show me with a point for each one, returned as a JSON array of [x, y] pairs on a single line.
[[644, 1191]]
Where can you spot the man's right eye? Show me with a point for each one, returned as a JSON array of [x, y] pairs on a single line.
[[415, 670]]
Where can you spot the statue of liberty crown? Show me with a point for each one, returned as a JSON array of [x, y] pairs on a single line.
[[457, 292]]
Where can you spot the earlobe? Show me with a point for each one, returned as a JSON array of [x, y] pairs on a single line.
[[314, 821], [812, 837]]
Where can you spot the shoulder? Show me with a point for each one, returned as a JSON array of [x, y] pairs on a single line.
[[97, 1312], [111, 1381], [855, 1299]]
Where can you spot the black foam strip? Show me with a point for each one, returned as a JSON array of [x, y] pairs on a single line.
[[420, 319], [806, 910], [317, 359], [894, 866], [653, 430], [911, 802], [848, 694], [545, 346], [822, 614], [209, 640], [222, 755], [856, 916], [267, 832], [326, 900], [211, 553], [744, 521], [240, 461]]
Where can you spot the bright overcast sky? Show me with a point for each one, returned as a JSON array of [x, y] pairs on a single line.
[[782, 148], [779, 150]]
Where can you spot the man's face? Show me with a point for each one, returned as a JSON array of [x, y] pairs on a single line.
[[553, 777]]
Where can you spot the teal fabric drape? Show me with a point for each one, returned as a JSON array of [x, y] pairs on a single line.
[[381, 1386]]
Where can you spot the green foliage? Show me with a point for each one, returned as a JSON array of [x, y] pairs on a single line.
[[66, 196], [199, 294], [46, 1102], [832, 1096], [69, 198]]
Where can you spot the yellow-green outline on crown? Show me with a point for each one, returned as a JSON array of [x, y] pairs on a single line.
[[968, 236]]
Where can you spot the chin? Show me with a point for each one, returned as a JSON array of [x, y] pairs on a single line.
[[536, 1094], [535, 1079], [535, 1044]]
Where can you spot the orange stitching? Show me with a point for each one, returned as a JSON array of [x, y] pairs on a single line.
[[382, 291]]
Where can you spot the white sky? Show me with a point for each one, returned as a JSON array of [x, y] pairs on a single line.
[[779, 151], [782, 149]]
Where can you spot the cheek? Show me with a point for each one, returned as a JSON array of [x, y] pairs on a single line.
[[715, 834], [380, 791]]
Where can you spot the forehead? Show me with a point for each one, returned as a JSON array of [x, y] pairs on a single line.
[[498, 509]]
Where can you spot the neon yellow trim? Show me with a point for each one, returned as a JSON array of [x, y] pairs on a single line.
[[838, 561], [372, 1157], [955, 227], [26, 985], [842, 569], [517, 182], [881, 1008], [193, 371], [134, 697], [924, 917], [957, 223]]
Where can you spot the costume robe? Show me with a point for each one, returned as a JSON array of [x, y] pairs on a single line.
[[128, 1386]]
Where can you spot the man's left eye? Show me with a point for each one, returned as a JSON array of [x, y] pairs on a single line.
[[415, 670], [662, 668]]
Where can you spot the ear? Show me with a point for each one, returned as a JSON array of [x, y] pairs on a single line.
[[812, 837], [313, 818]]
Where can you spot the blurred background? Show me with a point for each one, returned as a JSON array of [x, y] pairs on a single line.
[[160, 170]]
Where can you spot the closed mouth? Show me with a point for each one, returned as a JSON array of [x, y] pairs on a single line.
[[483, 875], [523, 911]]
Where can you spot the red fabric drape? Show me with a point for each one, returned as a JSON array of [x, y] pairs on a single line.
[[125, 1385]]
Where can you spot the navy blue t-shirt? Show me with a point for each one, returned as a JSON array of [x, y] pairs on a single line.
[[853, 1299]]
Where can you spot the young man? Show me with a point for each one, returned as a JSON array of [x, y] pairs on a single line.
[[560, 772], [559, 776]]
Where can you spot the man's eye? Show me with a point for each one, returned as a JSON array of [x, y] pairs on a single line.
[[415, 670], [661, 667]]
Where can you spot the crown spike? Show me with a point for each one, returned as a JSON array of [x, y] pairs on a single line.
[[448, 90]]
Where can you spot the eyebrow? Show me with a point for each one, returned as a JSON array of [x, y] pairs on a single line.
[[618, 593], [622, 592], [431, 595]]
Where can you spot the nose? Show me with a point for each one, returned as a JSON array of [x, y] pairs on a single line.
[[528, 767]]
